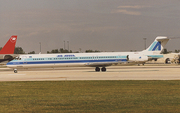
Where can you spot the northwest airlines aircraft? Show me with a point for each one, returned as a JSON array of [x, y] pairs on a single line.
[[7, 52], [98, 60]]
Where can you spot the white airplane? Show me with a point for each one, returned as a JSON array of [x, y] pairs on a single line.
[[97, 60]]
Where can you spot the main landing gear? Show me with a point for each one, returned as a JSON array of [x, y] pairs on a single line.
[[97, 69]]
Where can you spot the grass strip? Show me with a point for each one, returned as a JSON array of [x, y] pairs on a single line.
[[90, 96]]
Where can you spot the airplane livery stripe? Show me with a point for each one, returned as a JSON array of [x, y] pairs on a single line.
[[153, 44], [65, 61]]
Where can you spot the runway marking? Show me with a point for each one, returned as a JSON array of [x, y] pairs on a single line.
[[138, 70], [125, 71], [16, 74], [50, 78]]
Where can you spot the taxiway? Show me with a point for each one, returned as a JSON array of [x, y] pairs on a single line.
[[88, 73]]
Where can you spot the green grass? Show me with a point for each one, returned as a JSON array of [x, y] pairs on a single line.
[[90, 96]]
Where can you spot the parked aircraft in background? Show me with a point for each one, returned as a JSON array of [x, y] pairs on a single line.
[[6, 53], [97, 60]]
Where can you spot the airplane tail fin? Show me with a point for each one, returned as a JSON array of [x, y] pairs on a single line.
[[9, 46], [158, 45]]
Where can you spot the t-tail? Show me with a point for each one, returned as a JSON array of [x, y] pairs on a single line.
[[157, 46], [9, 46]]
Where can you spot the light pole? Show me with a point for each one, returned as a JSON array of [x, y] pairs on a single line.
[[40, 47], [68, 45], [145, 42], [64, 45]]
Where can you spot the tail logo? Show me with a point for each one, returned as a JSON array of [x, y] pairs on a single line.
[[156, 46], [13, 39]]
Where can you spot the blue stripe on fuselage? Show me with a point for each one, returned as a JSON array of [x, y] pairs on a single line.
[[156, 56], [67, 61]]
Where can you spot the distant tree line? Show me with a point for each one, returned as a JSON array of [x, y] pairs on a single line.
[[91, 51], [165, 51], [18, 50], [32, 52], [61, 50]]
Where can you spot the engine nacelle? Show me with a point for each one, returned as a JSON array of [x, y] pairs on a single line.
[[138, 58], [7, 57]]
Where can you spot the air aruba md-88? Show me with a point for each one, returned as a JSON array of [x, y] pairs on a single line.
[[97, 60]]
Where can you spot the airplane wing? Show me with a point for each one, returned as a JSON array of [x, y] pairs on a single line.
[[99, 64], [8, 57], [105, 64]]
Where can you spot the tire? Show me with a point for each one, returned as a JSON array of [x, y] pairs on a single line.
[[103, 69], [97, 69], [15, 70]]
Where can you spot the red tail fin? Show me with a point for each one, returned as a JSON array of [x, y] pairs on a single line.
[[10, 46]]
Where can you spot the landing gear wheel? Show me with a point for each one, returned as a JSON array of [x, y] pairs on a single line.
[[15, 70], [97, 69], [103, 69]]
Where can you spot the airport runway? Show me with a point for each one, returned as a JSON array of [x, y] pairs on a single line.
[[88, 73]]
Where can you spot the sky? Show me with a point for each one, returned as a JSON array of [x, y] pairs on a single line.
[[105, 25]]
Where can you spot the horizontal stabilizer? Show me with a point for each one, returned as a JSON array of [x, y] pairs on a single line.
[[159, 38]]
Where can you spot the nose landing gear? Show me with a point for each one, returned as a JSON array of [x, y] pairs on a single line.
[[15, 70]]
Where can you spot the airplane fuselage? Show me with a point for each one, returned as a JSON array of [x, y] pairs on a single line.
[[74, 59]]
